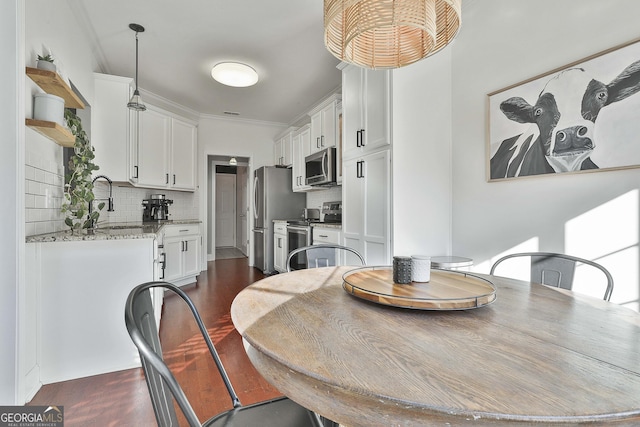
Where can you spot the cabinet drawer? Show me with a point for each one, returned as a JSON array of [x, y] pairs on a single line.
[[181, 230], [280, 227], [326, 235]]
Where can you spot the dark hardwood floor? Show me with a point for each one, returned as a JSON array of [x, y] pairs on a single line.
[[122, 399]]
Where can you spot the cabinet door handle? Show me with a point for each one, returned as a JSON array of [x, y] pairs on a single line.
[[135, 168], [321, 140], [318, 142], [163, 264], [174, 179], [280, 242], [358, 143], [166, 178], [360, 169], [323, 235], [186, 246], [362, 144]]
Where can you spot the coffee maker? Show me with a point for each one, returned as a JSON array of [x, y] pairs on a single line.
[[156, 208]]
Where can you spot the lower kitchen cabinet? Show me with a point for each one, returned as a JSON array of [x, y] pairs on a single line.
[[280, 246], [329, 236], [366, 205], [181, 253], [80, 289]]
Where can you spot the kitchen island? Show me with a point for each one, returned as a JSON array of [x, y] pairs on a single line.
[[77, 285]]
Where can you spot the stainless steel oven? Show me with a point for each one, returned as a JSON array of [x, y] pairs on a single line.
[[298, 235]]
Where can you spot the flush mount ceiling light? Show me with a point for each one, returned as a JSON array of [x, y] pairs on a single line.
[[233, 161], [135, 103], [234, 74], [389, 33]]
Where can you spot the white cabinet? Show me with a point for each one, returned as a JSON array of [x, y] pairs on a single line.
[[328, 236], [183, 155], [181, 253], [166, 151], [153, 149], [324, 124], [113, 126], [366, 206], [283, 149], [325, 235], [301, 149], [366, 104], [280, 246]]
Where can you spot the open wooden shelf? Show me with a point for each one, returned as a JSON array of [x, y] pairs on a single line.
[[52, 83], [53, 131]]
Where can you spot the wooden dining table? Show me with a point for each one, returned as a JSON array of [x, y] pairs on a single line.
[[536, 355]]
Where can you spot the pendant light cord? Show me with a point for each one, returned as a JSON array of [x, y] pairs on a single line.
[[136, 61]]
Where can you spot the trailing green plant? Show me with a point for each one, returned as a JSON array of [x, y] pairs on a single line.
[[47, 58], [78, 187]]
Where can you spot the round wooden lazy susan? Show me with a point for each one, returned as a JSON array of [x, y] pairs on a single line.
[[447, 289]]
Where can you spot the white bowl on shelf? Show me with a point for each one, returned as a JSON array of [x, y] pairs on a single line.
[[49, 108]]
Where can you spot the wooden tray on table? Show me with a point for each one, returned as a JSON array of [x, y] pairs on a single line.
[[447, 289]]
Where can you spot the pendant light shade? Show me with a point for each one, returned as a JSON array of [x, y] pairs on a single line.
[[389, 33], [135, 103]]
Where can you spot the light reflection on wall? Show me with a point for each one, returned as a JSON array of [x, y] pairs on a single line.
[[609, 235]]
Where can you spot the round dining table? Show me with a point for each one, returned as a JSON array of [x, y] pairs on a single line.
[[534, 356]]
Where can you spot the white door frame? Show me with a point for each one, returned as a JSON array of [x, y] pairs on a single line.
[[208, 227]]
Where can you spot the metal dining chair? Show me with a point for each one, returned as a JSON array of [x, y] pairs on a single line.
[[141, 324], [557, 270], [325, 255]]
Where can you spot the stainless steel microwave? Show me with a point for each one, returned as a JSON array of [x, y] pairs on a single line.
[[321, 167]]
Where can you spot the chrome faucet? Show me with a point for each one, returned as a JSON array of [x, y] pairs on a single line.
[[109, 199]]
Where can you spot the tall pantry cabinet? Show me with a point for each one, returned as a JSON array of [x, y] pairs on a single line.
[[366, 181]]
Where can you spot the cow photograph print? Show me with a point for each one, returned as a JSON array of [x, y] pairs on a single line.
[[583, 117]]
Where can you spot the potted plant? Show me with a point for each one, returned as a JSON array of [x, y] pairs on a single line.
[[46, 63], [78, 187]]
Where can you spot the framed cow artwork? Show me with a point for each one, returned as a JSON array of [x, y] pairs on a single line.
[[583, 117]]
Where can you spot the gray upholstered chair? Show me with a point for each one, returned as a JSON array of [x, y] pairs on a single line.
[[325, 255], [558, 269], [140, 322]]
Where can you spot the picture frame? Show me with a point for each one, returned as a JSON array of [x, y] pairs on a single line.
[[581, 117]]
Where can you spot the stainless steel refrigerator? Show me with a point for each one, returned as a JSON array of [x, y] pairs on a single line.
[[273, 198]]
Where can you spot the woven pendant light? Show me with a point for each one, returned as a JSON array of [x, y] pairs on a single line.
[[389, 33]]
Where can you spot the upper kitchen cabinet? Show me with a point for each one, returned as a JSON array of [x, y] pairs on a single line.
[[166, 151], [283, 148], [151, 159], [301, 149], [324, 124], [366, 104], [151, 149], [183, 155], [113, 127]]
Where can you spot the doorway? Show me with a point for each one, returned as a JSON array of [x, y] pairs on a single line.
[[227, 208]]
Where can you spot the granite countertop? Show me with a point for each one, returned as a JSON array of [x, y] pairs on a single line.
[[326, 225], [110, 231]]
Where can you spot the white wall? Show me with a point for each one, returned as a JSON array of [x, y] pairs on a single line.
[[231, 137], [422, 157], [593, 215], [51, 27], [11, 191]]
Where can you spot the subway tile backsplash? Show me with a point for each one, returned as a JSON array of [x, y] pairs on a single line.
[[44, 195], [127, 203]]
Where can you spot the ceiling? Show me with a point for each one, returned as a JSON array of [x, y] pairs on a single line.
[[281, 39]]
